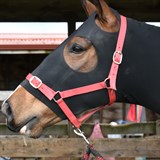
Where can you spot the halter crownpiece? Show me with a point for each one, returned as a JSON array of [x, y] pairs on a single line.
[[59, 96]]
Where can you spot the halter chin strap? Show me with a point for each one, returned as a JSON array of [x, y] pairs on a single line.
[[59, 96]]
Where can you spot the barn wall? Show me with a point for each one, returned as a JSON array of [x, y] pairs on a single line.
[[14, 68]]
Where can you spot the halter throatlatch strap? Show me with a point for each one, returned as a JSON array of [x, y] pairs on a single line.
[[36, 83]]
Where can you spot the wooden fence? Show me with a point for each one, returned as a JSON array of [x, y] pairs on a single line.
[[60, 142]]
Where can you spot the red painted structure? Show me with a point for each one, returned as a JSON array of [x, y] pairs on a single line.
[[29, 41]]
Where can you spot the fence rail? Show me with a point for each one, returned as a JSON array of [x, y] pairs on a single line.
[[63, 130], [74, 147]]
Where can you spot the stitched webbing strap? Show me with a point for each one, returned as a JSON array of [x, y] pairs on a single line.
[[51, 94], [117, 56]]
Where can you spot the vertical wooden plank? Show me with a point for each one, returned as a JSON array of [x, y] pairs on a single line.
[[158, 127], [124, 111], [71, 27]]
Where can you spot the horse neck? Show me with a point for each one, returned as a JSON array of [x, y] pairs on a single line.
[[139, 74]]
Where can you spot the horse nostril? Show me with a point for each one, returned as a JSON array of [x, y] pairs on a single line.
[[6, 109]]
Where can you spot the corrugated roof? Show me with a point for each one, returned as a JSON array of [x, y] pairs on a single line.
[[20, 41]]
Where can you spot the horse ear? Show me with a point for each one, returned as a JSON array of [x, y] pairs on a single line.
[[106, 18], [88, 7]]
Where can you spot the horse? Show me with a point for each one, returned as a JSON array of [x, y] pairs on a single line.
[[110, 58]]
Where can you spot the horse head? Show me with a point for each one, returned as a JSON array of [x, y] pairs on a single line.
[[83, 59]]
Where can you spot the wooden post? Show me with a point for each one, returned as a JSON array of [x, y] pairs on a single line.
[[71, 27]]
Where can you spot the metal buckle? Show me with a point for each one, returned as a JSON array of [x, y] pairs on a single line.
[[121, 56], [37, 79]]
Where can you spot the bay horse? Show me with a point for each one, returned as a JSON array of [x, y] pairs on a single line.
[[76, 76]]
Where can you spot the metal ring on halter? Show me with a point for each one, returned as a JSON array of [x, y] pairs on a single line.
[[107, 83], [57, 96]]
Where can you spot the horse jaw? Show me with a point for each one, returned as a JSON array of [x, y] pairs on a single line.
[[28, 115]]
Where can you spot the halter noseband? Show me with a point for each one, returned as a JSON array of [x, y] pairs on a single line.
[[59, 96]]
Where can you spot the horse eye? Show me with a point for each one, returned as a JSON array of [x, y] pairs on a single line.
[[76, 48]]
